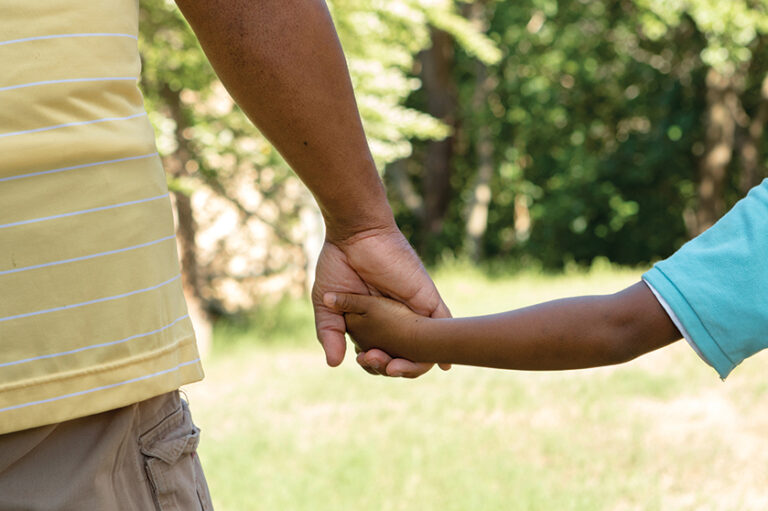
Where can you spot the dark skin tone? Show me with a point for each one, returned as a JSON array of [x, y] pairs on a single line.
[[571, 333], [282, 63]]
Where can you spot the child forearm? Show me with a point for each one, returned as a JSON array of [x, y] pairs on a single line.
[[564, 334]]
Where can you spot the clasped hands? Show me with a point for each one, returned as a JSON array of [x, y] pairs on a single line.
[[378, 262]]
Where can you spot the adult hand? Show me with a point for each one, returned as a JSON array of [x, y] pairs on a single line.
[[378, 262], [283, 64]]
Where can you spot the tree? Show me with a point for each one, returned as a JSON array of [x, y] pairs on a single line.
[[734, 32], [595, 134], [246, 227]]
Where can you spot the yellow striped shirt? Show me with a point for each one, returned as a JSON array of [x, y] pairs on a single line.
[[92, 315]]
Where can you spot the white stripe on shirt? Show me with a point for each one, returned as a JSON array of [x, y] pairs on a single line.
[[86, 257], [66, 36], [69, 124], [92, 346], [90, 302], [75, 167], [68, 80], [104, 387], [83, 211]]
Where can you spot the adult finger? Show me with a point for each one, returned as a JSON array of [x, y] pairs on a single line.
[[400, 367], [330, 328], [441, 311], [362, 363], [374, 361]]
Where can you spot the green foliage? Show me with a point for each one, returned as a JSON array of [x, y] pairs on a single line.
[[596, 114], [730, 28], [380, 40], [597, 117], [209, 145]]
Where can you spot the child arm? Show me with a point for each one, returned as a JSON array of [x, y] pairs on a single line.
[[571, 333]]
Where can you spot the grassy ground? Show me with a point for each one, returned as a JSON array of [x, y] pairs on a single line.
[[283, 432]]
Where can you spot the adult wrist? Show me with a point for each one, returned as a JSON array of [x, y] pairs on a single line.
[[358, 225]]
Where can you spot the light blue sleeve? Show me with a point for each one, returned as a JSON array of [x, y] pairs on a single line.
[[717, 284]]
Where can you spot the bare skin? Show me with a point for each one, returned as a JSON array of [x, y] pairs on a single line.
[[282, 63], [571, 333]]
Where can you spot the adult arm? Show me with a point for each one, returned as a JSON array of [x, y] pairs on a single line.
[[571, 333], [282, 63]]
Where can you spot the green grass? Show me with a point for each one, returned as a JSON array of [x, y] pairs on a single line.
[[287, 323], [283, 432]]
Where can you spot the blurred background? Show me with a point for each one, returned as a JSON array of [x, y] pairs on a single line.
[[532, 149]]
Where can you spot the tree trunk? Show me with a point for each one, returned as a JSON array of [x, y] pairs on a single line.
[[753, 171], [186, 228], [397, 176], [312, 242], [437, 77], [477, 217], [722, 103], [477, 210]]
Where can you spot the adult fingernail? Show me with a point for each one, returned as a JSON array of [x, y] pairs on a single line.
[[329, 299], [396, 374]]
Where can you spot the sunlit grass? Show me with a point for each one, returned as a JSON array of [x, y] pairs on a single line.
[[283, 432]]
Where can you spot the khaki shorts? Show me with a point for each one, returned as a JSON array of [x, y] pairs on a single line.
[[141, 457]]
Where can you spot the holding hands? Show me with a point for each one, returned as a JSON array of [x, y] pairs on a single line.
[[569, 333], [377, 262], [377, 323]]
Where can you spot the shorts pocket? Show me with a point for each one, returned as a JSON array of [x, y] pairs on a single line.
[[172, 466]]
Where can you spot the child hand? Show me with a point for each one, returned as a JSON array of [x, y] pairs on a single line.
[[376, 322]]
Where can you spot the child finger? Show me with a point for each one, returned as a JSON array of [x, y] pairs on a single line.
[[344, 302]]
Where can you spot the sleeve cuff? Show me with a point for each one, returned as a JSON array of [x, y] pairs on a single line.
[[687, 321]]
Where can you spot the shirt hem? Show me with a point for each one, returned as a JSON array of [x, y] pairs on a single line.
[[698, 336], [676, 321], [90, 394]]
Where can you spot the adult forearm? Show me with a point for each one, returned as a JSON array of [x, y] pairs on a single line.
[[282, 63], [565, 334]]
